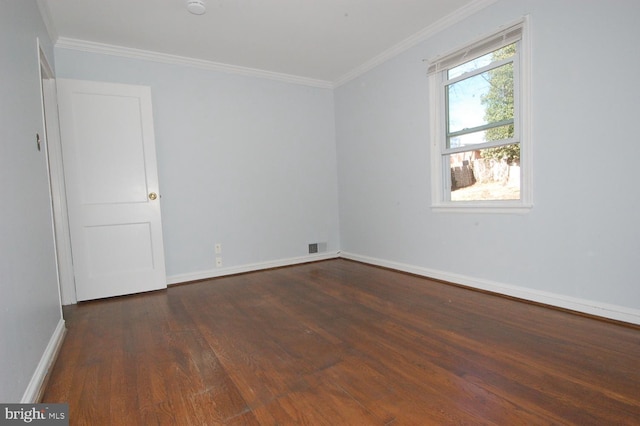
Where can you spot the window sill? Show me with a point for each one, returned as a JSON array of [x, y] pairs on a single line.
[[480, 207]]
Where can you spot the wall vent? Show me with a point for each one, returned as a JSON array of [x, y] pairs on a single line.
[[317, 248]]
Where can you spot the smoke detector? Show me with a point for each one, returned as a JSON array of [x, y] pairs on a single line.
[[196, 7]]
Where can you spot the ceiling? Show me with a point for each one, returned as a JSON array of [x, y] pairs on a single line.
[[324, 40]]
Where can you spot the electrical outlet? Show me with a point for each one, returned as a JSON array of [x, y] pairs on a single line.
[[218, 248], [218, 262]]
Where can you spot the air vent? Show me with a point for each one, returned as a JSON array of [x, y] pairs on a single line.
[[317, 248]]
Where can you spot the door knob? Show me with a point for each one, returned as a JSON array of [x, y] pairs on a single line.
[[153, 196]]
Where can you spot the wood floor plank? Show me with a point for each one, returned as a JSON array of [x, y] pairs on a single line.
[[341, 343]]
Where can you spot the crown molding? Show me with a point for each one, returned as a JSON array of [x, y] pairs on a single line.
[[45, 13], [127, 52], [415, 39]]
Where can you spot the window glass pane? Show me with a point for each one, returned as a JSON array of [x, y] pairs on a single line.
[[487, 174], [488, 135], [502, 53], [481, 99]]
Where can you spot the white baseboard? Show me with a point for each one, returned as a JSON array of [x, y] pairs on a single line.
[[614, 312], [221, 272], [34, 389]]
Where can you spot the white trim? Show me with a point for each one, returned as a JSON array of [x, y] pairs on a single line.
[[590, 307], [53, 151], [45, 13], [127, 52], [406, 44], [481, 207], [440, 177], [415, 39], [436, 124], [45, 74], [221, 272], [35, 387], [526, 115]]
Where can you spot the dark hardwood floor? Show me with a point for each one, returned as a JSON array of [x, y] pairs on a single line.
[[341, 343]]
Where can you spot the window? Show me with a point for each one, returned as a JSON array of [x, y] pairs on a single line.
[[480, 146]]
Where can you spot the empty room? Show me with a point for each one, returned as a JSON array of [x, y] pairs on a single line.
[[270, 212]]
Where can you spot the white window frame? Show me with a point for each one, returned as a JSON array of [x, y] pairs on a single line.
[[437, 74]]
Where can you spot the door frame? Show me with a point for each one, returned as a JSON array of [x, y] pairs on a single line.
[[53, 151]]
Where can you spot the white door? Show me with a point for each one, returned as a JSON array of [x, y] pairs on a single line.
[[113, 202]]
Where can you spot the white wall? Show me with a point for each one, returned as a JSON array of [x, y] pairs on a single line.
[[29, 301], [251, 163], [243, 161], [580, 245]]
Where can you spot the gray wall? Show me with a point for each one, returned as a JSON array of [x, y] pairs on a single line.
[[581, 241], [29, 305], [243, 161]]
